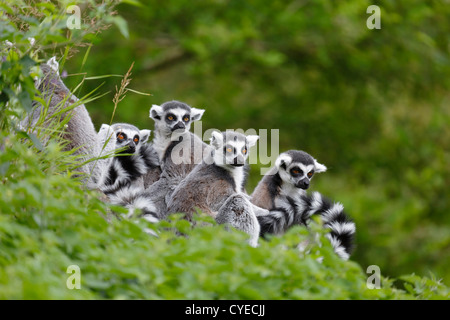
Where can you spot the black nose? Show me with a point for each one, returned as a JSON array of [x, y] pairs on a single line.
[[304, 184], [131, 148], [237, 162], [179, 125]]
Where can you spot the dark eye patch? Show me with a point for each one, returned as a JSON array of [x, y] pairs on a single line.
[[310, 174], [296, 171], [136, 139], [171, 117], [186, 118], [229, 149], [121, 136]]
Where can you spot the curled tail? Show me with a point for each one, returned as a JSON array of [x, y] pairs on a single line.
[[334, 217], [136, 201], [280, 219]]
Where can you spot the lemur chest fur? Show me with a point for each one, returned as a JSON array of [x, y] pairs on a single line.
[[160, 143], [238, 176], [288, 193]]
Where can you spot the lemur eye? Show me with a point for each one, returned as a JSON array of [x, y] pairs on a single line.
[[121, 136], [244, 150], [229, 150], [296, 171], [136, 139], [170, 118], [310, 174], [186, 119]]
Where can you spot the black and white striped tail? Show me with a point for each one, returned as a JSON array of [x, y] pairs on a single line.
[[137, 202], [280, 219], [334, 217], [341, 236]]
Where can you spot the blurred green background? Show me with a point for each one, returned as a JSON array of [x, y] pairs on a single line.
[[372, 105]]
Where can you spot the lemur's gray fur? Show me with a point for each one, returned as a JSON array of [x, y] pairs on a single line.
[[282, 192], [216, 185], [178, 149], [80, 131]]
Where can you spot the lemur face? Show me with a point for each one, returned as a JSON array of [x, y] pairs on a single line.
[[174, 117], [124, 136], [231, 149], [297, 168]]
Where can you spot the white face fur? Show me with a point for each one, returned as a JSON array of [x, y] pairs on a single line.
[[231, 149], [123, 136], [176, 120], [297, 169]]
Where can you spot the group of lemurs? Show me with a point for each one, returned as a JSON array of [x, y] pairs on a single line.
[[176, 172]]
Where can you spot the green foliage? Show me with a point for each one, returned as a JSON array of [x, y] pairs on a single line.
[[48, 223], [371, 105], [33, 29]]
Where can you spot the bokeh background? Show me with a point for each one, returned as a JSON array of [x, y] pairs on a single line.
[[372, 105]]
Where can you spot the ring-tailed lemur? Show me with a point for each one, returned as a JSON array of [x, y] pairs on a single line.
[[282, 191], [79, 130], [173, 121], [178, 149], [216, 185], [122, 178], [135, 157]]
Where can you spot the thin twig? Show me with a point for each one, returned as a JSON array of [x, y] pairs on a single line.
[[121, 92]]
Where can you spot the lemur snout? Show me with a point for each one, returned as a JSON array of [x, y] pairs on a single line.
[[238, 162], [180, 125], [131, 148], [304, 184]]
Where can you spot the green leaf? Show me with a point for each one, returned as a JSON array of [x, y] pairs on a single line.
[[37, 143], [122, 25], [26, 63], [132, 2], [138, 92], [4, 168], [25, 100], [104, 76]]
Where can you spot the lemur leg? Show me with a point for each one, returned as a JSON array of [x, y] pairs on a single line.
[[237, 211]]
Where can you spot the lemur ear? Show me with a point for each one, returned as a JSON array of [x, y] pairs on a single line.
[[52, 63], [156, 112], [145, 134], [196, 114], [104, 128], [318, 167], [104, 133], [283, 160], [251, 140], [216, 139]]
